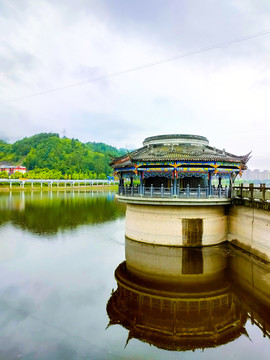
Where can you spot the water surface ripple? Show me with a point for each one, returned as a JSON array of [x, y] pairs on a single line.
[[72, 287]]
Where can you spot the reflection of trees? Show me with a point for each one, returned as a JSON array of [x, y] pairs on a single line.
[[49, 215]]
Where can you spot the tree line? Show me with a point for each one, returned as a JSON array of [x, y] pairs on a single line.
[[47, 156]]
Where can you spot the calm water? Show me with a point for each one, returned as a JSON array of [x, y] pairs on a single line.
[[72, 287]]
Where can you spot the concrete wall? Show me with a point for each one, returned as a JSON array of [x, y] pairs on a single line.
[[249, 229], [193, 226], [177, 225]]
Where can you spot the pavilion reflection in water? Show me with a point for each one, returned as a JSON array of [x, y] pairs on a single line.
[[184, 298]]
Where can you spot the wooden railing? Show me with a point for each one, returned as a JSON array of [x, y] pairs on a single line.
[[252, 193]]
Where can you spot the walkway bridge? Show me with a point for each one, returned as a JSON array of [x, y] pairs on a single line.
[[52, 182]]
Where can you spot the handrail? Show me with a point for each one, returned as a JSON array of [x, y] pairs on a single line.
[[252, 193], [171, 192], [50, 182]]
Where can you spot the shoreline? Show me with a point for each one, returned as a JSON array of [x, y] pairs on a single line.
[[57, 188]]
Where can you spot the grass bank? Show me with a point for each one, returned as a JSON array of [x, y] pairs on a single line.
[[57, 188]]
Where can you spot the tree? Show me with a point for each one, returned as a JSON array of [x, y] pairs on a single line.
[[4, 175], [46, 155]]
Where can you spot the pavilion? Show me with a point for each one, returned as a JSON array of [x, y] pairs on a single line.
[[174, 162], [177, 202]]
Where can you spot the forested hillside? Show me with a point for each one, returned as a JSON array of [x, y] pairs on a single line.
[[56, 157]]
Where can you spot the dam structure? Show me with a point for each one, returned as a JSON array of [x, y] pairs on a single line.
[[180, 198]]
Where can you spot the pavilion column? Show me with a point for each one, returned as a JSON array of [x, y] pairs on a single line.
[[175, 183], [141, 183], [230, 187], [232, 178], [121, 184], [131, 186], [209, 182], [219, 182]]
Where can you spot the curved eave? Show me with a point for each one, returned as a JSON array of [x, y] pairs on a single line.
[[245, 158], [124, 159], [183, 343], [184, 158], [121, 161], [187, 158]]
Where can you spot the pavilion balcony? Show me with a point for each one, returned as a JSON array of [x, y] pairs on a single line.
[[171, 192]]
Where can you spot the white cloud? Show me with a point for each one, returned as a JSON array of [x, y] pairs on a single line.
[[222, 94]]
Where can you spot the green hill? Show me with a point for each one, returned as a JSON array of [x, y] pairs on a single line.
[[47, 152]]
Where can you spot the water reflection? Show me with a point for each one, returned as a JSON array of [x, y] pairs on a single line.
[[185, 299], [47, 212]]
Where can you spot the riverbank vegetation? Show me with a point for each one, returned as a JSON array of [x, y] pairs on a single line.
[[47, 156]]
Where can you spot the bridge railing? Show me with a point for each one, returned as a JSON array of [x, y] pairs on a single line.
[[171, 192], [54, 182]]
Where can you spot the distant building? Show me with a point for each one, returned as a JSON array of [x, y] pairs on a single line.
[[11, 169], [259, 175]]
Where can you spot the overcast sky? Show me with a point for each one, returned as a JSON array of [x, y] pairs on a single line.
[[223, 93]]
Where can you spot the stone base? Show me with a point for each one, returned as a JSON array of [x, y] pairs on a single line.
[[174, 225]]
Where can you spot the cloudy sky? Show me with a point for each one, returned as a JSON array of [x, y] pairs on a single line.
[[73, 57]]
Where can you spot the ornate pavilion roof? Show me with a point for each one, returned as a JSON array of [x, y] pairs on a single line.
[[178, 147], [184, 152]]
